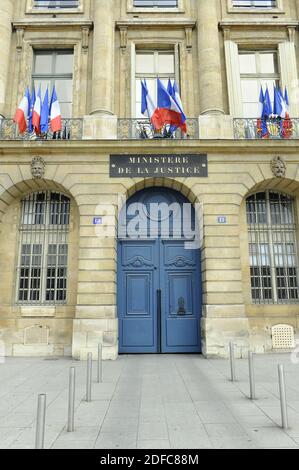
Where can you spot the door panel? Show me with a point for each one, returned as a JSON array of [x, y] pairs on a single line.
[[180, 316], [137, 283]]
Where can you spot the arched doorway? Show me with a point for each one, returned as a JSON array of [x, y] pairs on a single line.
[[159, 282]]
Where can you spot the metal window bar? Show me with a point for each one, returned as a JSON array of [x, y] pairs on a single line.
[[255, 3], [43, 248], [156, 3], [45, 4], [272, 248]]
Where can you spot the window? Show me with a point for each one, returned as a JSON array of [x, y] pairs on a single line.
[[156, 3], [43, 252], [150, 65], [255, 3], [55, 68], [272, 248], [45, 4], [256, 69]]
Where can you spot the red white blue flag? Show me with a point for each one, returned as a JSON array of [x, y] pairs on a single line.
[[22, 112], [37, 112], [55, 113]]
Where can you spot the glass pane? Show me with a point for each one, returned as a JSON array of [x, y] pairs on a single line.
[[44, 84], [250, 91], [64, 63], [247, 63], [166, 63], [43, 63], [145, 63], [64, 89], [151, 85], [250, 110], [268, 62], [66, 110]]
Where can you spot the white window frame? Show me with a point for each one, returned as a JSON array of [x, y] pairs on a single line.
[[132, 9], [258, 75], [134, 51], [279, 9], [30, 9]]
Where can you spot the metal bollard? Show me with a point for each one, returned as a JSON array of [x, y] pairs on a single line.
[[89, 377], [283, 401], [232, 361], [100, 365], [40, 422], [71, 407], [251, 375]]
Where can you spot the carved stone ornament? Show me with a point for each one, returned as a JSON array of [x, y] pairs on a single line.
[[38, 166], [278, 167]]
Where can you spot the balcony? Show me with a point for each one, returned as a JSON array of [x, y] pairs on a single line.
[[134, 129], [272, 128], [141, 129], [72, 129]]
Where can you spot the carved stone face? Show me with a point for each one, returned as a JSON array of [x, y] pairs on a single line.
[[38, 167], [278, 167]]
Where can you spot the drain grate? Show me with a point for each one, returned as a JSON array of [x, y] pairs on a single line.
[[283, 337]]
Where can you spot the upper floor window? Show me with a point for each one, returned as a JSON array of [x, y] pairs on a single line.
[[55, 68], [272, 248], [43, 249], [45, 4], [151, 65], [257, 68], [156, 3], [254, 3]]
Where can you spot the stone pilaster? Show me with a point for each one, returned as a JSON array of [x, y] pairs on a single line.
[[210, 78], [6, 12], [102, 123], [103, 58]]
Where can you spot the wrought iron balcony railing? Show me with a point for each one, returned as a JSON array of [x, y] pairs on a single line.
[[271, 128], [72, 129], [130, 129]]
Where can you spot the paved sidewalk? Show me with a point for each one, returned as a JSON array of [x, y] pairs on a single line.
[[167, 401]]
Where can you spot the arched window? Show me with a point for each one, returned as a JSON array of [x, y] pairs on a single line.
[[43, 248], [272, 247]]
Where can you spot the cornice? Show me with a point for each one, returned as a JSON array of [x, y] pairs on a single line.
[[154, 24], [51, 23], [258, 23], [70, 148]]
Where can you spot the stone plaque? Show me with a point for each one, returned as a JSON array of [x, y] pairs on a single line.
[[159, 165], [36, 334]]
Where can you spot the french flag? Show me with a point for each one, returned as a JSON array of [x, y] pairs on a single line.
[[55, 113], [37, 112], [22, 112], [148, 107], [168, 109], [175, 94]]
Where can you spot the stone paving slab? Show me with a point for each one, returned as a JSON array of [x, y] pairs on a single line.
[[150, 401]]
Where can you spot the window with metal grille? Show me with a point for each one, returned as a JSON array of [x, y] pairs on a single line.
[[156, 3], [43, 248], [272, 248], [45, 4], [255, 3]]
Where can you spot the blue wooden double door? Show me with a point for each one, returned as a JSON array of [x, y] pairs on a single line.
[[159, 288]]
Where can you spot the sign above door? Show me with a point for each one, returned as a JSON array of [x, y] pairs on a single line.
[[168, 165]]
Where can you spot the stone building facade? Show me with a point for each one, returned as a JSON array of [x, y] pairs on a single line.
[[244, 294]]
